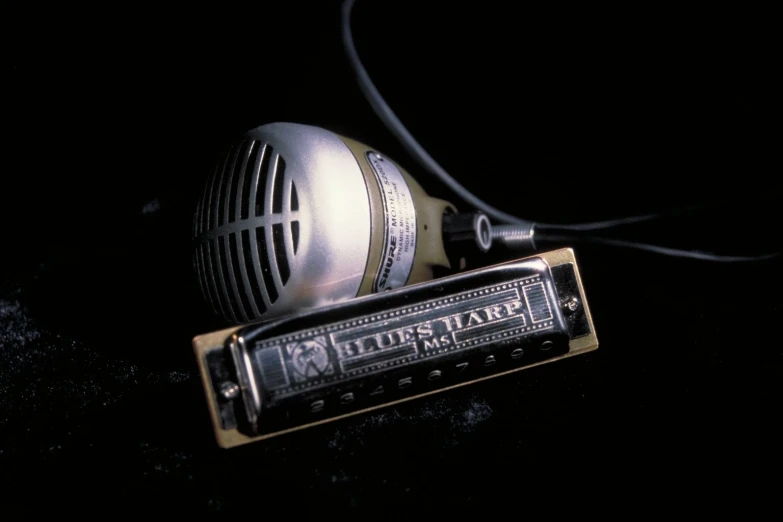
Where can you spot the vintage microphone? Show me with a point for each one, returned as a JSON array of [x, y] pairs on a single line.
[[297, 217]]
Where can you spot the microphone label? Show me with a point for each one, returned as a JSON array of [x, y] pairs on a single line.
[[399, 245]]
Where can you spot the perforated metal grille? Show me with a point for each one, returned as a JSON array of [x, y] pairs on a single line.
[[243, 222]]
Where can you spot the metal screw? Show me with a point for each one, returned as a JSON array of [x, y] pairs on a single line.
[[570, 305], [229, 391]]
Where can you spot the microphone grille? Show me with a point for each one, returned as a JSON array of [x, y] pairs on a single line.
[[246, 216]]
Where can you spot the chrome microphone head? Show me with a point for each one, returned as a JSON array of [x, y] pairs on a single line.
[[297, 217]]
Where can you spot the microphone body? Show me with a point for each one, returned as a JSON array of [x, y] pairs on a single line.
[[298, 217]]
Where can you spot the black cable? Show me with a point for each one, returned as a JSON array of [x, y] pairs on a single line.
[[396, 127], [612, 223], [414, 148], [667, 251]]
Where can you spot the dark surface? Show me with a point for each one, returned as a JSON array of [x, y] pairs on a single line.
[[115, 119]]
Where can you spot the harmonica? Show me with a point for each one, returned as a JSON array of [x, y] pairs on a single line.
[[272, 378]]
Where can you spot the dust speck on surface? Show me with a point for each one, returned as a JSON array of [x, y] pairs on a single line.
[[151, 207], [459, 418], [177, 377], [16, 328], [477, 412], [339, 477], [165, 461], [48, 380]]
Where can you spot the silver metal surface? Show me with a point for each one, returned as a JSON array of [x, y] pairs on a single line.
[[229, 390], [515, 236], [483, 232], [399, 246], [391, 347], [247, 381], [570, 305], [283, 225]]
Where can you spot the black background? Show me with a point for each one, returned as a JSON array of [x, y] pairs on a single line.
[[115, 117]]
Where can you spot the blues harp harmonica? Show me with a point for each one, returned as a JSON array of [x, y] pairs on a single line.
[[372, 352]]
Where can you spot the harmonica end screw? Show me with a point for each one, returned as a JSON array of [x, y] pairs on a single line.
[[229, 391], [570, 305]]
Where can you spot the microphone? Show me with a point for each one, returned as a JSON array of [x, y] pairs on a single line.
[[297, 217]]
